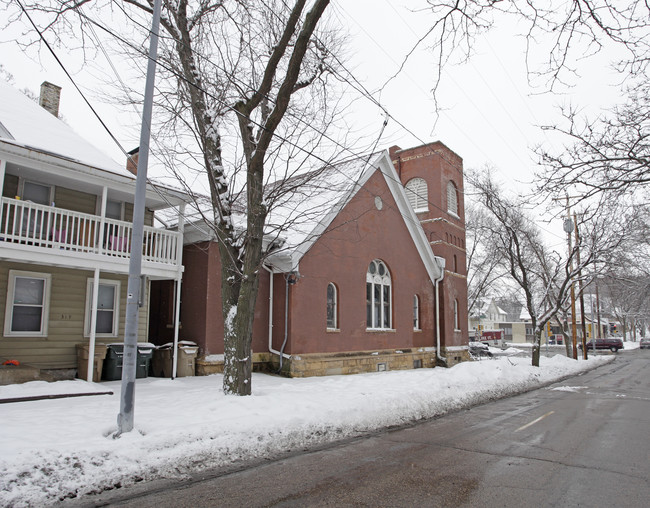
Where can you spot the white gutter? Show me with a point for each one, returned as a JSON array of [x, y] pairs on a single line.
[[271, 350]]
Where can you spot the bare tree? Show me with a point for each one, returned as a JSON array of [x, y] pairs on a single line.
[[236, 75], [484, 268], [609, 154], [544, 276], [563, 31]]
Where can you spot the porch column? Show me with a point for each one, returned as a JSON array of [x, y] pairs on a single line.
[[93, 327], [3, 167], [179, 278], [102, 220]]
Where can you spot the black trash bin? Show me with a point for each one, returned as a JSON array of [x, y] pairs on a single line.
[[112, 370], [115, 358], [145, 353]]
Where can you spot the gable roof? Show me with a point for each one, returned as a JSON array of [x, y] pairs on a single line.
[[304, 215], [26, 124]]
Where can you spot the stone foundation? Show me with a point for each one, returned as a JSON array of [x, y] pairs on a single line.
[[332, 364], [356, 362], [206, 367]]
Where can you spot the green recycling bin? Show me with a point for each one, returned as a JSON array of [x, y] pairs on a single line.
[[114, 361]]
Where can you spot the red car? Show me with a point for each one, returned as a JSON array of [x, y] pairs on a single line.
[[611, 343]]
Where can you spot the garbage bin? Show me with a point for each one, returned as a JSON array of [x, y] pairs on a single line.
[[145, 352], [187, 353], [163, 359], [161, 363], [83, 350], [113, 362], [115, 359]]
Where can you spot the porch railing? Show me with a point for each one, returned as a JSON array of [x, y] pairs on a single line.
[[48, 227]]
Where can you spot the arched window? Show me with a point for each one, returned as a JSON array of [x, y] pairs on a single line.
[[418, 194], [456, 320], [378, 296], [455, 264], [332, 306], [416, 312], [452, 199]]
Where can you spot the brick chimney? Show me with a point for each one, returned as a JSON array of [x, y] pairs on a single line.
[[132, 161], [50, 97]]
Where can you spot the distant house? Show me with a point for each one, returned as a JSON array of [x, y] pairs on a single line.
[[366, 271], [65, 225]]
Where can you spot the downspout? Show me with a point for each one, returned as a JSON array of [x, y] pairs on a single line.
[[271, 350], [436, 284]]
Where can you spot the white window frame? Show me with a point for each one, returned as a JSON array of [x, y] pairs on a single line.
[[335, 305], [383, 282], [116, 307], [452, 199], [417, 193], [456, 317], [416, 312], [9, 307]]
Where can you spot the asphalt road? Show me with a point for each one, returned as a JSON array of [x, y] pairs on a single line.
[[581, 442]]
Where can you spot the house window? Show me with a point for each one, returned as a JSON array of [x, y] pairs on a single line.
[[378, 296], [332, 307], [27, 309], [114, 210], [37, 193], [418, 194], [456, 320], [452, 199], [416, 312], [108, 298]]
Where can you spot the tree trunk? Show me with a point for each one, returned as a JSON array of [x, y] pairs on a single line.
[[536, 347]]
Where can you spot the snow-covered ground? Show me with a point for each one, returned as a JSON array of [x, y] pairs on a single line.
[[57, 448]]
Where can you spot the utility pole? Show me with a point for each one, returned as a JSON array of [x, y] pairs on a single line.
[[600, 328], [582, 297], [568, 229], [127, 399]]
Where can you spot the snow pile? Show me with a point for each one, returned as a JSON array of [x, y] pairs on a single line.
[[53, 449]]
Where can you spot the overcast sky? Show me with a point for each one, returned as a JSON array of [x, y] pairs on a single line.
[[489, 113]]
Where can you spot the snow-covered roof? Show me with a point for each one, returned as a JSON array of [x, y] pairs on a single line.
[[303, 215], [24, 123], [316, 197], [305, 205]]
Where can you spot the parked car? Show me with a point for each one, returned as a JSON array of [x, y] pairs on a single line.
[[611, 343], [644, 344]]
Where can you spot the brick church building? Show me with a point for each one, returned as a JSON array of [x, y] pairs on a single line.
[[367, 271]]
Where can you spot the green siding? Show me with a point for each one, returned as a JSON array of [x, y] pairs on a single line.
[[10, 187], [128, 214], [76, 201], [66, 318]]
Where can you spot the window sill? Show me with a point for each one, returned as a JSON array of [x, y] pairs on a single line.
[[380, 330], [417, 330], [421, 210], [25, 334], [332, 330], [455, 216]]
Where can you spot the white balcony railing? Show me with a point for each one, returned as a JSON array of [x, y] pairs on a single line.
[[48, 227]]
